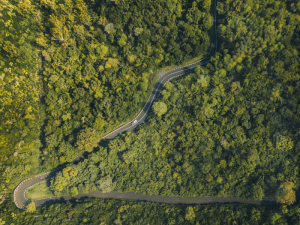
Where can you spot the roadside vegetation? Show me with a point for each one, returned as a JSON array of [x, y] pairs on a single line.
[[72, 71], [105, 211], [230, 128]]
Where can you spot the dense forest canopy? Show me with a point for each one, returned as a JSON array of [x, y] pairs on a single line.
[[99, 57], [21, 112], [229, 129], [71, 71]]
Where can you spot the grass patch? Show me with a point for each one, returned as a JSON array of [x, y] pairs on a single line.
[[39, 191]]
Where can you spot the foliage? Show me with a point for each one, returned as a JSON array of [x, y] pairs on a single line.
[[88, 139], [189, 215], [159, 108], [70, 66], [21, 112], [286, 193], [99, 59], [107, 211], [231, 127], [30, 207]]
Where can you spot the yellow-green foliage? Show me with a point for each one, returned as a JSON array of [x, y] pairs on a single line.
[[21, 113]]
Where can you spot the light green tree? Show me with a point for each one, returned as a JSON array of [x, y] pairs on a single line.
[[123, 40], [74, 191], [2, 222], [131, 58], [189, 214], [109, 27], [31, 207], [106, 184], [159, 108]]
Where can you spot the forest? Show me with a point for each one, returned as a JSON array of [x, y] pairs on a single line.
[[99, 63], [229, 129], [107, 211], [75, 70], [21, 89]]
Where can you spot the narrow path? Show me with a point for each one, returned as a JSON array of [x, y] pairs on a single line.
[[19, 193]]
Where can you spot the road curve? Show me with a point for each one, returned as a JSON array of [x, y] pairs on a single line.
[[19, 193]]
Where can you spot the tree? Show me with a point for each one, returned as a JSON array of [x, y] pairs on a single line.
[[189, 214], [111, 63], [208, 177], [99, 124], [2, 222], [74, 191], [109, 27], [286, 193], [123, 40], [143, 86], [31, 207], [11, 49], [159, 108], [131, 58], [106, 184], [88, 139]]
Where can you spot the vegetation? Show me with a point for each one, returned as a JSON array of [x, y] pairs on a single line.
[[230, 128], [159, 108], [71, 71], [30, 207], [39, 191], [98, 59], [104, 211], [21, 112]]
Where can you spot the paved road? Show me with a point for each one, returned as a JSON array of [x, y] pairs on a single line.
[[159, 84], [19, 193]]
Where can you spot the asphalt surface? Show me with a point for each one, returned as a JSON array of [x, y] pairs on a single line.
[[19, 193]]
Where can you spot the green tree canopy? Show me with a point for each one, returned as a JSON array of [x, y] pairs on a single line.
[[88, 139], [31, 207], [159, 108]]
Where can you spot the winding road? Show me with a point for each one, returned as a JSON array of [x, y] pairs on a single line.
[[19, 193]]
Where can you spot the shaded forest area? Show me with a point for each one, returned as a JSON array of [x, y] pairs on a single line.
[[104, 211], [231, 128], [71, 71]]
